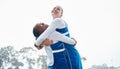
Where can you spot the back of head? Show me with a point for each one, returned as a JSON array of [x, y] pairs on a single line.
[[38, 29], [36, 32]]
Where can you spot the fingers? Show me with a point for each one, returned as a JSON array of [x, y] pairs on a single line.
[[38, 47], [74, 40], [47, 42]]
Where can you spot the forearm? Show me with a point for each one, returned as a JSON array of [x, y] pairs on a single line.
[[44, 35], [61, 37]]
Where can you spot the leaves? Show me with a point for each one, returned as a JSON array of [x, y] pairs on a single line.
[[26, 57]]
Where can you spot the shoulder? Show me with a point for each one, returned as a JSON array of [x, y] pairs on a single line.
[[59, 22]]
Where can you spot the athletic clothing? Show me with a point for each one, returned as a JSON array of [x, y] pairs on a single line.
[[62, 54]]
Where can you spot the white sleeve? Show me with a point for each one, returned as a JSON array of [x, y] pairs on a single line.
[[61, 37], [56, 23]]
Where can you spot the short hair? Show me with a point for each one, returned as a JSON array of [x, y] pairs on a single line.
[[61, 9], [35, 32], [38, 29]]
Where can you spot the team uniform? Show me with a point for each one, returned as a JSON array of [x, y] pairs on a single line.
[[62, 53]]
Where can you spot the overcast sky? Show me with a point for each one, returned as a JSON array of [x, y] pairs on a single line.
[[94, 23]]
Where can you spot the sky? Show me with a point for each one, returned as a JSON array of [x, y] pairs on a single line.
[[95, 24]]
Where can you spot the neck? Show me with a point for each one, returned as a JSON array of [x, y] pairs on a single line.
[[56, 17]]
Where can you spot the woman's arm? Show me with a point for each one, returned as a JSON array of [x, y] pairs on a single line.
[[46, 42], [61, 37], [56, 23]]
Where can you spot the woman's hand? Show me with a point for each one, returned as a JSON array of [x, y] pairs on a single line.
[[38, 47], [47, 42], [74, 40]]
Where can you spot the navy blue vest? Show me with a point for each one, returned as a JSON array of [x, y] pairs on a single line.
[[59, 44]]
